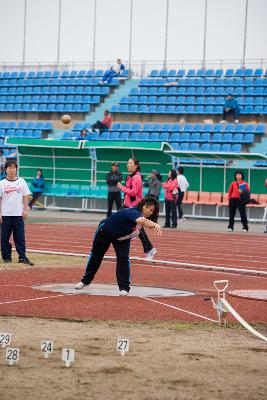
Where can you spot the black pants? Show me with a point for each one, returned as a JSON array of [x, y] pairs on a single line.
[[15, 225], [171, 213], [35, 197], [147, 245], [233, 112], [100, 126], [101, 244], [179, 204], [233, 205], [113, 196]]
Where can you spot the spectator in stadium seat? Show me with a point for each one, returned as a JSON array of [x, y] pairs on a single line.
[[235, 189], [171, 195], [183, 186], [154, 184], [119, 67], [109, 75], [230, 108], [133, 190], [38, 185], [104, 125], [114, 193]]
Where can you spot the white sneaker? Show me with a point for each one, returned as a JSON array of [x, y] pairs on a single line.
[[230, 230], [244, 230], [79, 286], [123, 293], [151, 254], [236, 121], [223, 121]]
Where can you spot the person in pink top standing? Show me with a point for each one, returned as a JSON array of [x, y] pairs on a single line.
[[171, 195], [133, 191]]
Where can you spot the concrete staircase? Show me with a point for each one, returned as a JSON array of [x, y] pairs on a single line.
[[115, 98]]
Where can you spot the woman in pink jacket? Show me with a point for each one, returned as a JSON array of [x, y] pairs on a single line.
[[133, 191], [171, 194]]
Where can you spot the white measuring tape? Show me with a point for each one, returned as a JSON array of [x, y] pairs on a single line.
[[223, 307]]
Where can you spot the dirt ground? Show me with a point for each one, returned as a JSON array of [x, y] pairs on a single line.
[[165, 361]]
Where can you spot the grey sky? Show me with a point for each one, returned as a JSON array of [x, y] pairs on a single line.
[[225, 30]]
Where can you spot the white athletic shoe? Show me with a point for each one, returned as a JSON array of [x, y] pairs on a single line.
[[230, 230], [79, 286], [151, 254], [244, 230], [236, 121], [223, 121], [123, 293]]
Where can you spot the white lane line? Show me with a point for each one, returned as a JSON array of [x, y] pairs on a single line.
[[177, 264], [36, 298], [179, 309]]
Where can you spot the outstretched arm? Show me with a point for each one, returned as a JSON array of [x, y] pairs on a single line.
[[149, 224]]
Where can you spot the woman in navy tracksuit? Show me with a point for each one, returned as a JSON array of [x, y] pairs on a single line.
[[118, 230]]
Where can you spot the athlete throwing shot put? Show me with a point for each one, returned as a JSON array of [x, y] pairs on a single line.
[[118, 230]]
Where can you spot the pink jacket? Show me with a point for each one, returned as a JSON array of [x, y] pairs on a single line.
[[133, 190], [169, 187]]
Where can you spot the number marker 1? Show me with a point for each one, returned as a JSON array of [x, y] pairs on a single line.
[[12, 355], [47, 348], [5, 339], [123, 346], [68, 356]]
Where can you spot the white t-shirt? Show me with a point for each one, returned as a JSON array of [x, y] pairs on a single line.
[[12, 193], [182, 183]]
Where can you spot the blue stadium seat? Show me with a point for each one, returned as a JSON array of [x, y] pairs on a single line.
[[188, 128], [190, 91], [205, 147], [148, 128], [209, 110], [230, 128], [238, 138], [227, 137], [199, 109], [154, 73], [205, 137], [248, 138], [226, 147], [105, 135], [217, 138], [144, 136], [218, 73], [194, 147], [229, 73], [185, 137], [191, 73], [258, 72], [161, 91], [260, 129], [161, 109], [124, 136], [200, 100], [175, 146], [154, 137], [174, 137], [180, 91], [134, 136], [164, 137], [114, 135], [236, 148], [184, 146], [215, 147], [180, 73], [195, 137]]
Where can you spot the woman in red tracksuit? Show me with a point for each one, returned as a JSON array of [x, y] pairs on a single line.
[[171, 193], [133, 191], [234, 192]]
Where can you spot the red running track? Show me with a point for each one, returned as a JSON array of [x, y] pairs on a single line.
[[239, 251]]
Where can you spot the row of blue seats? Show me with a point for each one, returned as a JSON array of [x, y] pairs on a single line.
[[187, 100], [209, 128], [199, 91], [44, 126], [21, 133], [86, 90], [54, 82], [165, 137], [153, 109], [56, 74], [261, 164], [204, 82], [202, 73], [51, 99], [214, 147], [193, 161], [35, 107]]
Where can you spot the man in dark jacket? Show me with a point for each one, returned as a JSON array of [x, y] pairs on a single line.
[[114, 193]]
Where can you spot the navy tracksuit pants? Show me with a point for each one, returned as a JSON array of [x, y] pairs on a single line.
[[101, 244], [15, 225]]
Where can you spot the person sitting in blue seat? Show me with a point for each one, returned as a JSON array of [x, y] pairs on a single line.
[[120, 67], [230, 108], [109, 75], [83, 134]]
